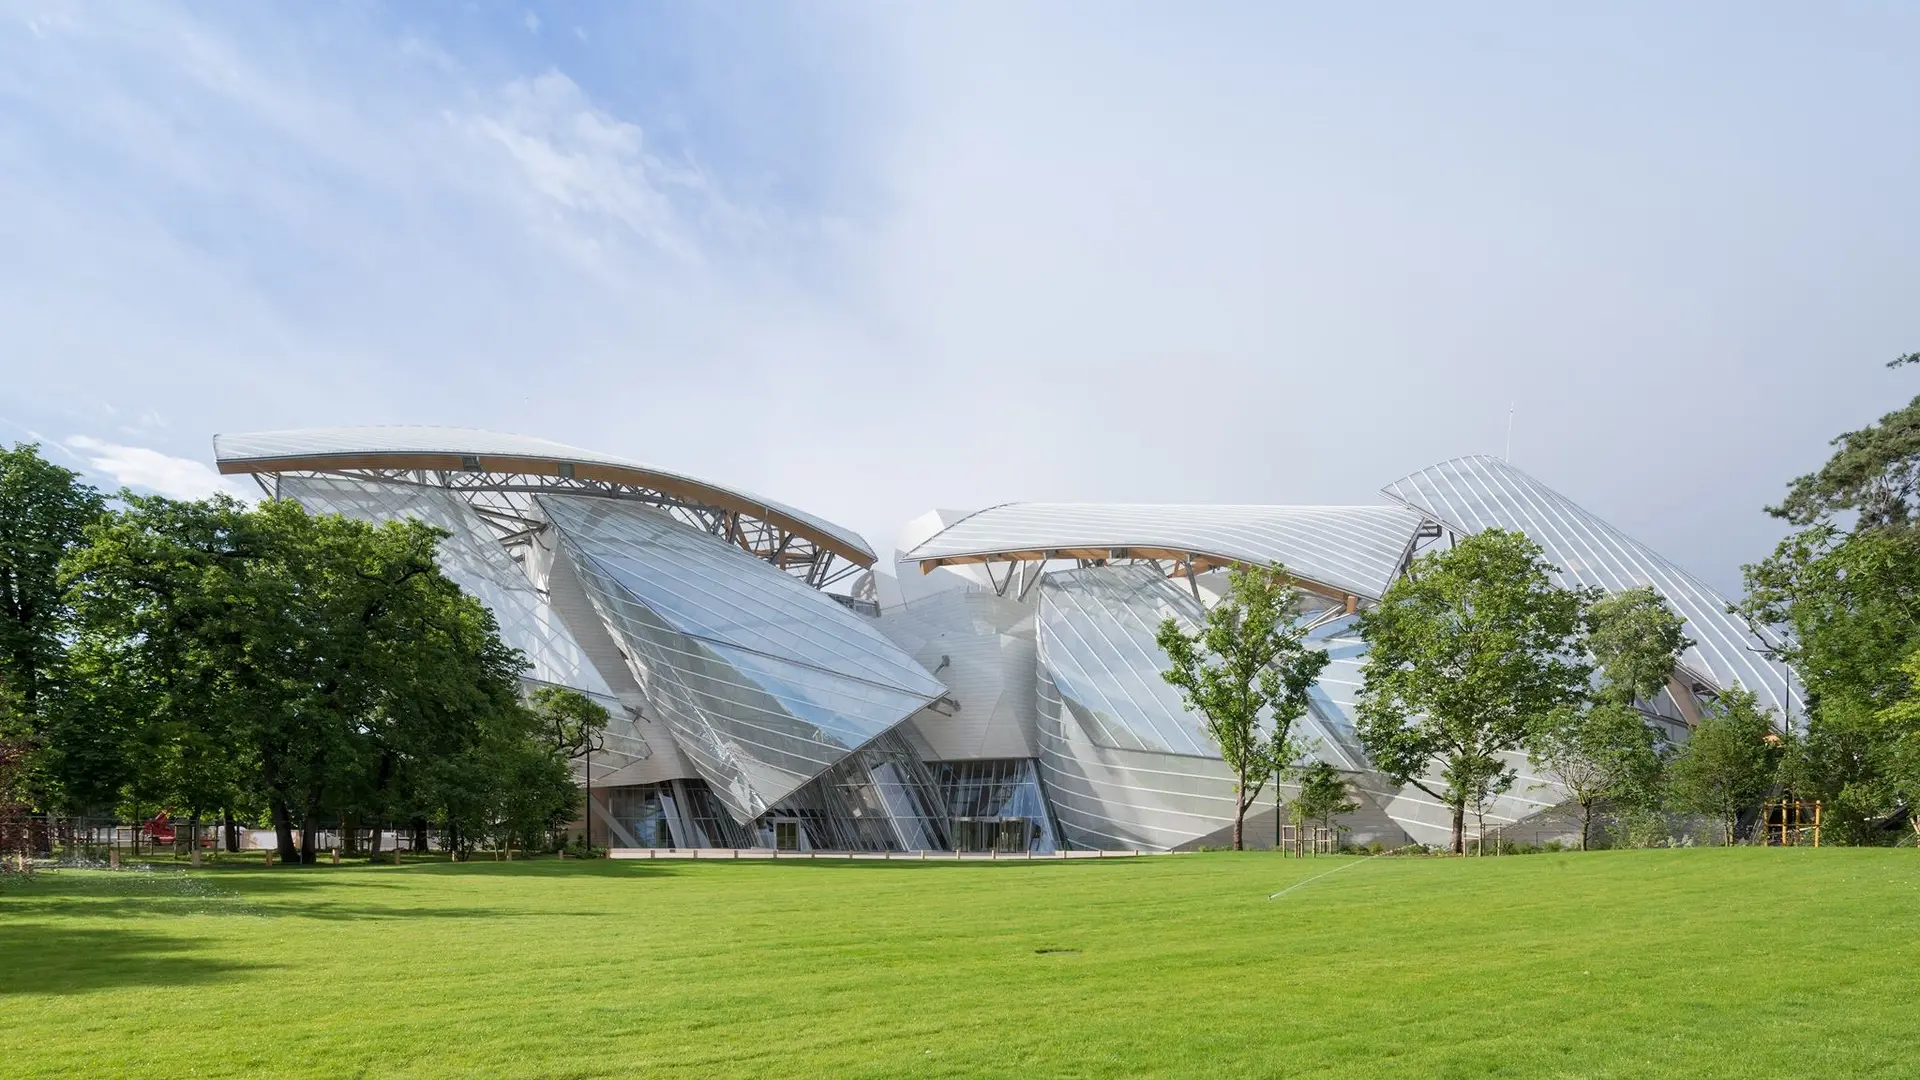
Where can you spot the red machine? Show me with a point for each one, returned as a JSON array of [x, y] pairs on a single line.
[[160, 829]]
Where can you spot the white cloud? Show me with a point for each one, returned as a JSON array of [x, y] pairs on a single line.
[[588, 167], [139, 467], [919, 256], [531, 22]]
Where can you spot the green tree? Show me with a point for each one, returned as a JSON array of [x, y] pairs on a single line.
[[44, 512], [322, 662], [1728, 764], [1874, 472], [1466, 652], [1602, 755], [1246, 672], [574, 725], [1636, 639], [1605, 754], [569, 721], [1324, 795], [1899, 743], [1846, 589]]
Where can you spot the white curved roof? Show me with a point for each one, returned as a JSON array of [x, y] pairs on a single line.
[[1470, 494], [323, 449], [1355, 549]]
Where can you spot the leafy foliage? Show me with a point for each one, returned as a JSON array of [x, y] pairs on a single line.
[[44, 512], [1246, 672], [1849, 597], [317, 664], [1874, 472], [1899, 744], [1729, 763], [1466, 652], [1602, 755], [1636, 639], [1324, 795], [570, 721]]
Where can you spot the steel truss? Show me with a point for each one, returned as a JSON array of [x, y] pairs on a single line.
[[505, 502], [1024, 569]]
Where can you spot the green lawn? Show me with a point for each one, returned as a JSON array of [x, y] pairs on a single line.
[[1703, 963]]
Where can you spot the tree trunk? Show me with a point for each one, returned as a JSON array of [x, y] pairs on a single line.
[[193, 837], [282, 828], [309, 837], [233, 834], [1586, 822], [1460, 828], [1240, 812], [419, 834], [373, 846]]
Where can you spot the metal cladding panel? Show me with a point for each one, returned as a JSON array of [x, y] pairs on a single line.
[[983, 646], [473, 559], [1356, 549], [1471, 494], [764, 682], [326, 442]]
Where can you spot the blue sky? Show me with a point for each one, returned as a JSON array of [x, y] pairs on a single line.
[[870, 259]]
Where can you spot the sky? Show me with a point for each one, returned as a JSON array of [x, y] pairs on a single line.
[[870, 259]]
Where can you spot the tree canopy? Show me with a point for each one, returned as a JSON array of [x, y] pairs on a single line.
[[44, 511], [1246, 672], [1845, 590], [1466, 651], [321, 666], [1728, 763]]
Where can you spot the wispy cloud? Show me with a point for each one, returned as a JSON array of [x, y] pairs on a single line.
[[589, 167], [139, 467]]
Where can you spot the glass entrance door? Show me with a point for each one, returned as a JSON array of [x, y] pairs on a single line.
[[786, 836]]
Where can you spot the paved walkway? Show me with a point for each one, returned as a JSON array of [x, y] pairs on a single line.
[[906, 856]]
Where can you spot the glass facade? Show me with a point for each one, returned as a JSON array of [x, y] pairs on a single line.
[[977, 719], [1470, 494], [1097, 643], [881, 798], [672, 814], [472, 558], [997, 805], [764, 682], [1125, 765]]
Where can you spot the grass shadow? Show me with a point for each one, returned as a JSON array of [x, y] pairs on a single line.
[[41, 959]]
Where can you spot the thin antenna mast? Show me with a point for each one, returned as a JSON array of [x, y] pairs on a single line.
[[1508, 456]]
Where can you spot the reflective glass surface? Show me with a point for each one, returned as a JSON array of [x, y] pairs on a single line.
[[996, 805], [472, 559], [879, 798], [1096, 640], [764, 682], [1474, 493]]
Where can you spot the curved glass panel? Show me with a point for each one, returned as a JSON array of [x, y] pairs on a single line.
[[472, 559], [764, 682], [1096, 639], [1356, 549], [1470, 494]]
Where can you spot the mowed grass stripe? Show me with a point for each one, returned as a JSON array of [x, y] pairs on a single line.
[[1703, 963]]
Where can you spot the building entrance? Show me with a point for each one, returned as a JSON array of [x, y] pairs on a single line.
[[786, 836], [992, 834]]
